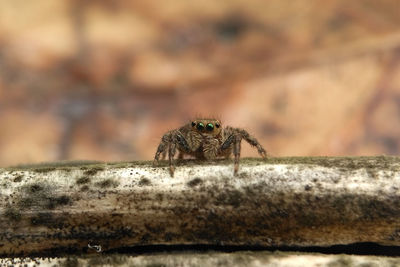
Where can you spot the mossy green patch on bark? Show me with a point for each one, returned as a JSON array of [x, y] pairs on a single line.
[[345, 163], [40, 195], [107, 183], [18, 178], [83, 180], [44, 167], [13, 214], [194, 182], [144, 181], [370, 163], [93, 170]]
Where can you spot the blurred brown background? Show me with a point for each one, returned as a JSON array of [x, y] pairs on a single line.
[[103, 80]]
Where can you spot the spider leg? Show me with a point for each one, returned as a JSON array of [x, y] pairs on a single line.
[[168, 144], [236, 153], [171, 154], [253, 142], [164, 154], [165, 140], [235, 136], [234, 140], [181, 144], [181, 141], [228, 142]]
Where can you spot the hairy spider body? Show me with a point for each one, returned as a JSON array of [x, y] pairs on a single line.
[[205, 139]]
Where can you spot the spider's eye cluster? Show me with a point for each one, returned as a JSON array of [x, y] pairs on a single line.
[[201, 127]]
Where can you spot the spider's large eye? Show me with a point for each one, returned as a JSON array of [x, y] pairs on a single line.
[[210, 127], [193, 124], [200, 126]]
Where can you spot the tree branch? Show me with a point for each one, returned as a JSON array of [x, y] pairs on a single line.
[[80, 206]]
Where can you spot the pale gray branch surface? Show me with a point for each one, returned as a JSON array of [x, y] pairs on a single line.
[[78, 207], [210, 259]]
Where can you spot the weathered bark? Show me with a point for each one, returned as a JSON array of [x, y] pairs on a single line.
[[275, 202], [245, 258]]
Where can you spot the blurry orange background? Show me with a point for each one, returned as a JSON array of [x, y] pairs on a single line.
[[103, 80]]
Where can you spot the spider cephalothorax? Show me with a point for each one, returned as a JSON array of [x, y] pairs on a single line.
[[205, 139]]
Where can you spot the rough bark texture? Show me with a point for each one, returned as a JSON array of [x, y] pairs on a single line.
[[84, 206], [246, 258]]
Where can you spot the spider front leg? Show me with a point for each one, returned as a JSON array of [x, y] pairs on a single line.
[[235, 141], [177, 139], [171, 140], [171, 154], [235, 136], [253, 142], [236, 153], [162, 148]]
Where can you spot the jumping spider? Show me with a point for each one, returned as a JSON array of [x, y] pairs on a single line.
[[205, 139]]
